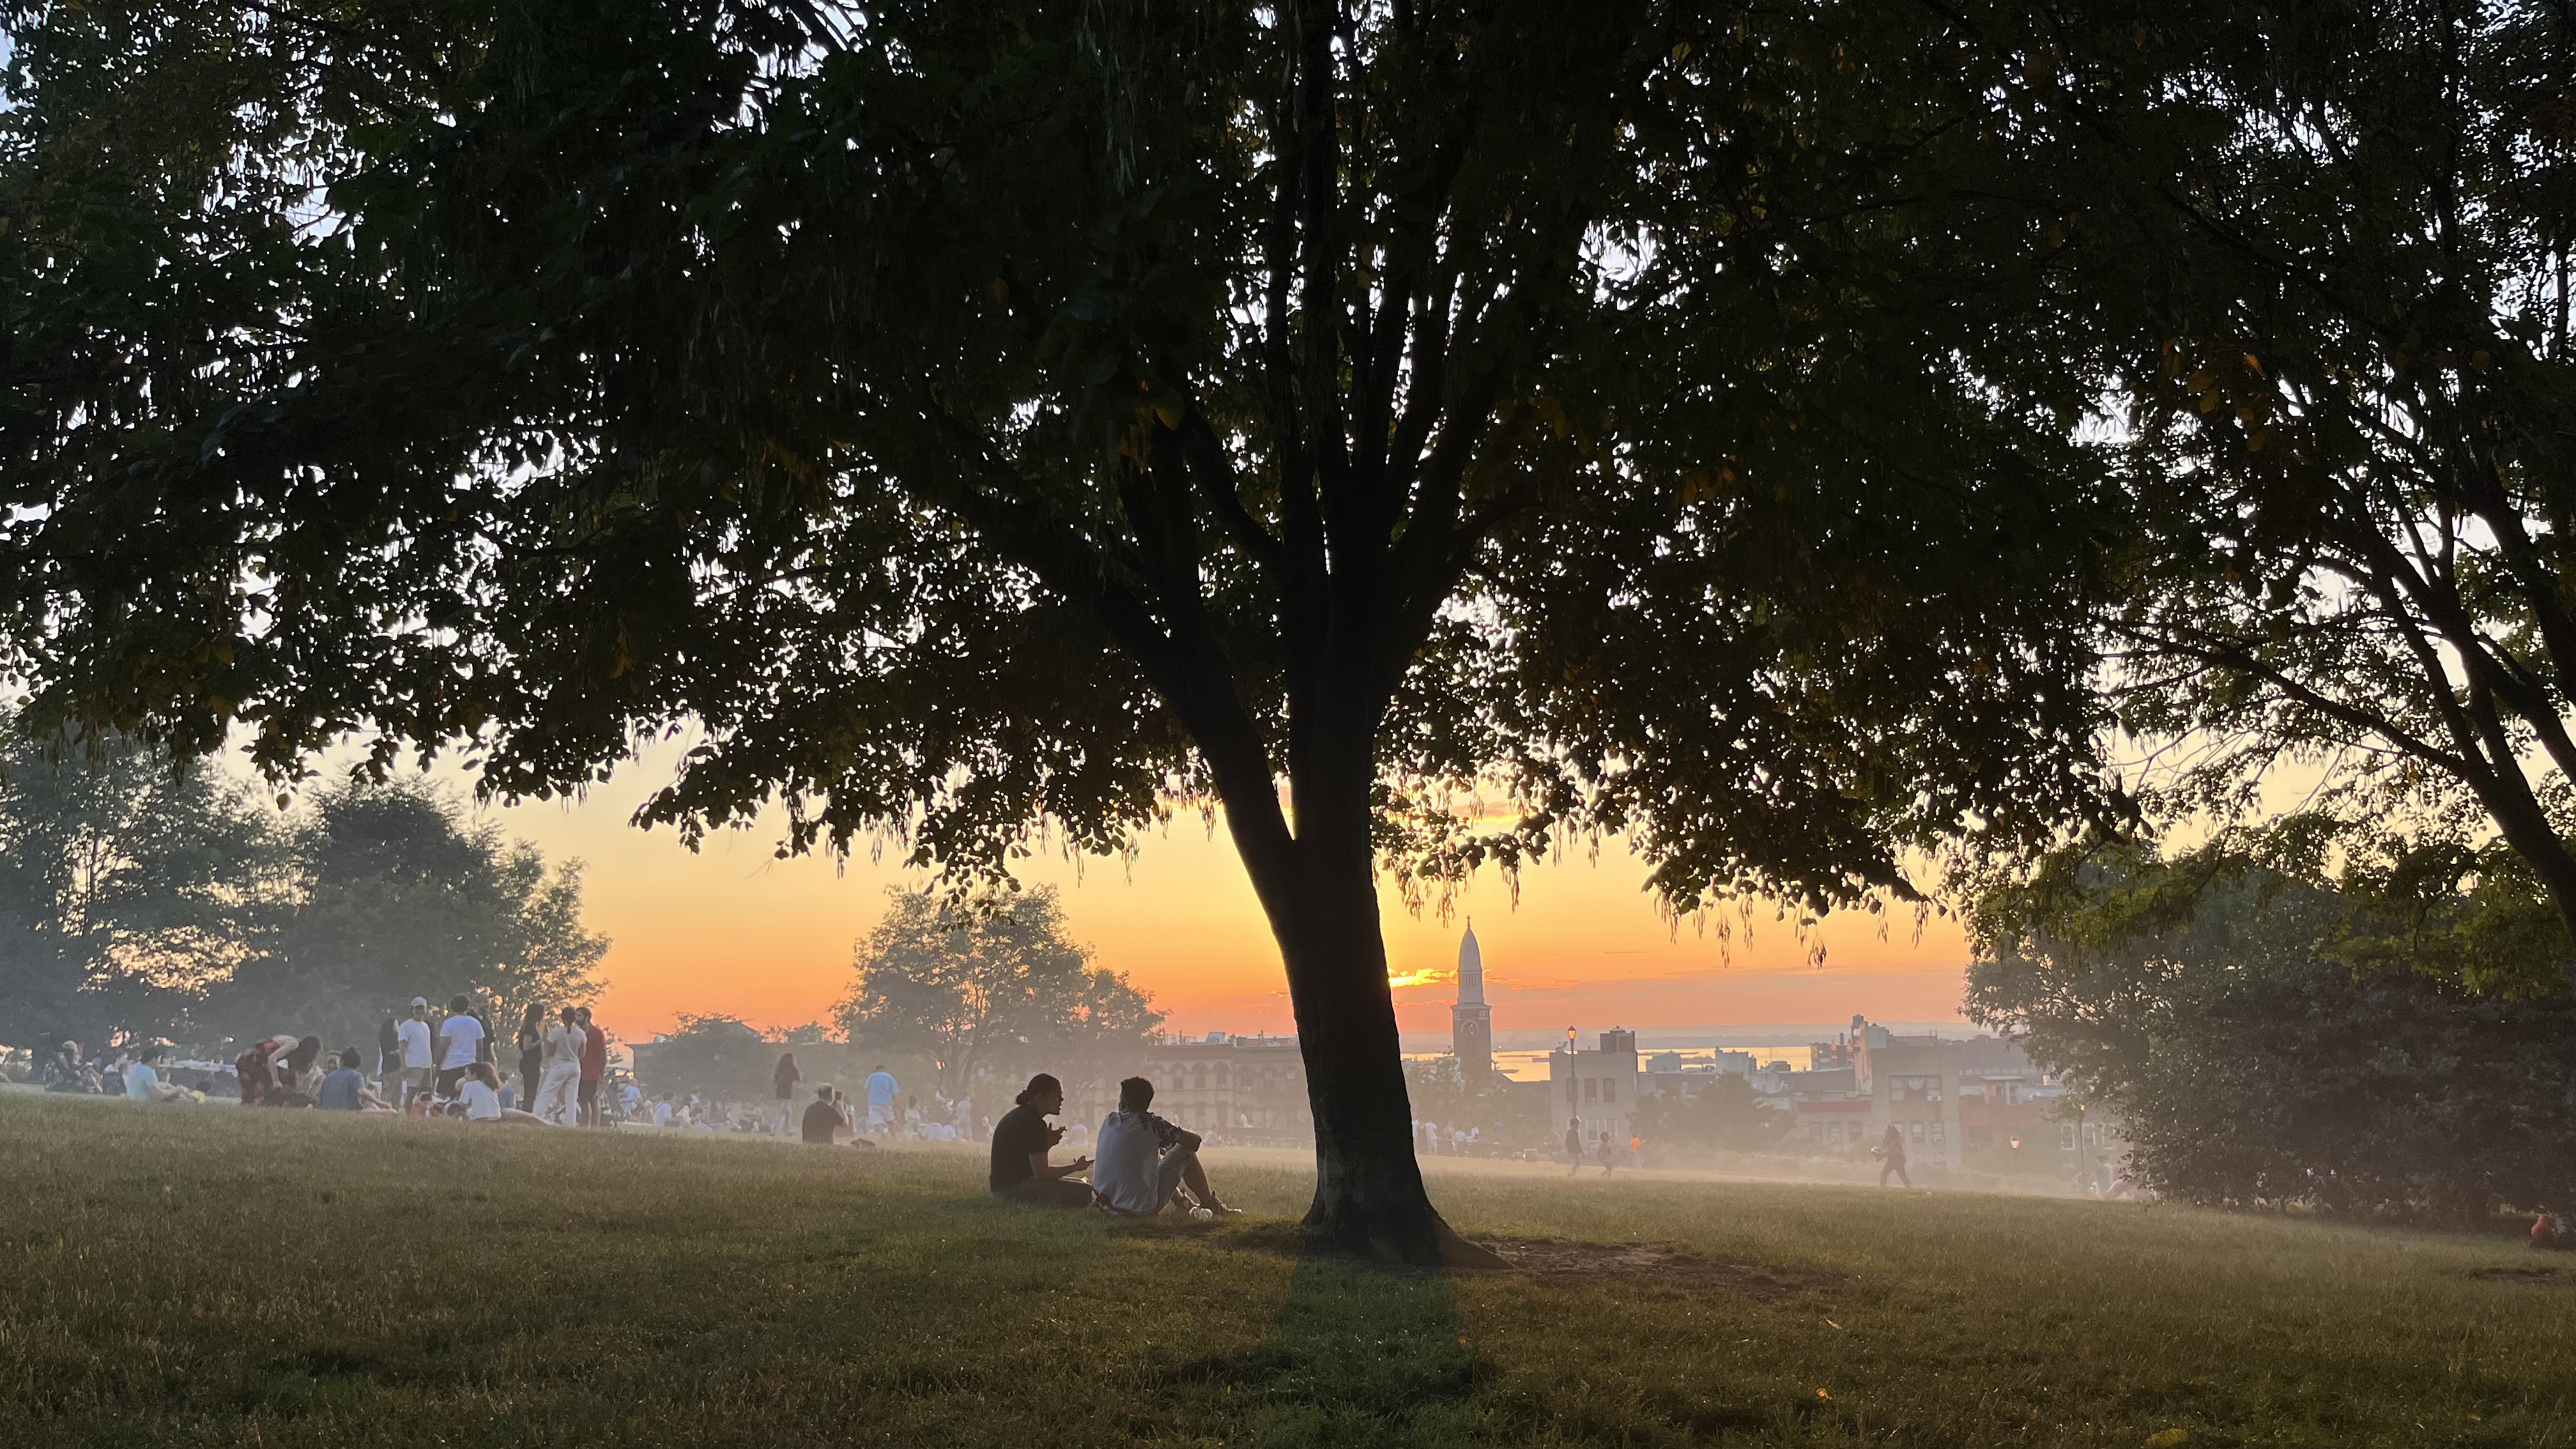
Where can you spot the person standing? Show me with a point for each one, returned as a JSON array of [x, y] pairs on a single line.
[[530, 1039], [594, 1067], [418, 1067], [784, 1079], [1608, 1150], [881, 1090], [389, 1050], [1891, 1152], [1573, 1146], [558, 1099], [460, 1044]]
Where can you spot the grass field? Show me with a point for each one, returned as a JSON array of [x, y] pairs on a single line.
[[207, 1276]]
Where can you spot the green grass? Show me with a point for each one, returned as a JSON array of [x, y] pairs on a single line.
[[208, 1276]]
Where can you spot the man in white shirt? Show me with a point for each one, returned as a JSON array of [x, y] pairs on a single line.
[[417, 1066], [557, 1097], [458, 1036], [1143, 1160]]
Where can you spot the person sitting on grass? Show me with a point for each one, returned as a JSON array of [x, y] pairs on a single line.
[[1145, 1162], [2550, 1233], [823, 1119], [480, 1095], [344, 1089], [1021, 1141], [143, 1080]]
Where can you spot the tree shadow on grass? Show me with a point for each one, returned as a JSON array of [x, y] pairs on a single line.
[[1357, 1356]]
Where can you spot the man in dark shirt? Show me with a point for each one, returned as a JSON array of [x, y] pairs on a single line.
[[823, 1118], [1021, 1141]]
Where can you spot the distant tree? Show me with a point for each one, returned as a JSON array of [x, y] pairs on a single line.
[[1726, 1115], [2256, 1049], [130, 884], [1441, 1093], [986, 418], [398, 894], [990, 982], [722, 1058]]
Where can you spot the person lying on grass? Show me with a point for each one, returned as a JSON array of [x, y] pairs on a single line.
[[1021, 1142], [1145, 1161], [480, 1094]]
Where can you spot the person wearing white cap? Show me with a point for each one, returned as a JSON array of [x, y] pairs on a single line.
[[416, 1068]]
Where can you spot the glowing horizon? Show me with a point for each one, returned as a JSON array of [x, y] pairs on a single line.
[[733, 931]]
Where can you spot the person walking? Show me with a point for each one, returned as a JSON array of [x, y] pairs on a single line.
[[531, 1041], [784, 1079], [1891, 1152], [557, 1099], [1573, 1146], [1609, 1151], [594, 1067], [881, 1089]]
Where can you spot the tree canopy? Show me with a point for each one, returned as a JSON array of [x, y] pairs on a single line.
[[145, 898], [2258, 1049], [2334, 272], [991, 986]]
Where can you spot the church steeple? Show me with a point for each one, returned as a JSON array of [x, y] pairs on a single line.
[[1471, 1021]]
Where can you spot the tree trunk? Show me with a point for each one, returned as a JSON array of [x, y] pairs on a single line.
[[1322, 902]]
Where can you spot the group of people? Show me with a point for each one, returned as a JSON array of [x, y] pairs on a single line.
[[1605, 1148], [1145, 1164], [129, 1073], [441, 1067], [563, 1060]]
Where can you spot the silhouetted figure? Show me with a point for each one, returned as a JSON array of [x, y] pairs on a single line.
[[1891, 1151]]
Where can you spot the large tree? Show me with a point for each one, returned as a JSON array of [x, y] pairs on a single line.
[[986, 422]]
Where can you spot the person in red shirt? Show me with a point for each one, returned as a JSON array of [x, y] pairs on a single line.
[[594, 1068]]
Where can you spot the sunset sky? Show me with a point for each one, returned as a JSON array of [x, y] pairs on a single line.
[[734, 931]]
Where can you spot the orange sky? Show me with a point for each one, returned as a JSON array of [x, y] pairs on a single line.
[[732, 930]]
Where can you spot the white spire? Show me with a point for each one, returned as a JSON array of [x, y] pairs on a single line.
[[1471, 970]]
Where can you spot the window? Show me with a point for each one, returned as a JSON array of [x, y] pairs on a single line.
[[2066, 1137], [1918, 1132], [2012, 1094], [1937, 1129], [1220, 1076], [1609, 1089], [1591, 1090], [1914, 1089]]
